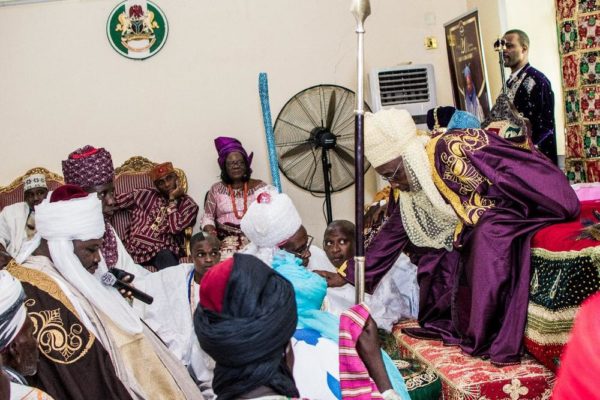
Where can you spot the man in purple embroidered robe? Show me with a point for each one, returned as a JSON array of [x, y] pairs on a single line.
[[531, 92], [469, 203]]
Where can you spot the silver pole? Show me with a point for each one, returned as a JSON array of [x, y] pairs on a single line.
[[361, 9]]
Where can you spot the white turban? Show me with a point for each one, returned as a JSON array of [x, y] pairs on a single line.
[[34, 181], [389, 134], [269, 221], [60, 223], [12, 308]]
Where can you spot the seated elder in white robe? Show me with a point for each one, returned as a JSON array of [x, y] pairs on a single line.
[[17, 221], [72, 229]]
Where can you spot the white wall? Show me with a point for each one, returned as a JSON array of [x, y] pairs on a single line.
[[490, 24], [63, 86]]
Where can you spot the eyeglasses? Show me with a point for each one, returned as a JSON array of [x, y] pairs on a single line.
[[393, 176], [302, 251], [238, 163]]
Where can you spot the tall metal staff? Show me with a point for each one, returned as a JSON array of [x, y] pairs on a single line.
[[361, 9]]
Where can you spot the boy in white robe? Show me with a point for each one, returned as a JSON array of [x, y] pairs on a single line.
[[176, 292]]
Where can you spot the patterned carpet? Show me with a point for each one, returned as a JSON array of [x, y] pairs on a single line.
[[463, 377]]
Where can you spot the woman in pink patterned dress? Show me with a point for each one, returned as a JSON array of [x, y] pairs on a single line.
[[227, 200]]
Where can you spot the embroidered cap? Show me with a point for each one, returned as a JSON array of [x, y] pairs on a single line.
[[34, 181], [161, 170], [88, 167]]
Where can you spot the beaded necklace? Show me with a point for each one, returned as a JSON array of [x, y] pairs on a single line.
[[235, 210]]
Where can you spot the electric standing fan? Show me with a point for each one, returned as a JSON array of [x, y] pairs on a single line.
[[314, 137]]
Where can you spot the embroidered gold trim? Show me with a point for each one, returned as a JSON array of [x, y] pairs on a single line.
[[459, 171], [342, 269], [54, 339], [593, 252], [421, 380], [439, 183], [42, 282], [49, 329]]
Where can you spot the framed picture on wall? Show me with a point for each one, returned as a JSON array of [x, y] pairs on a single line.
[[467, 68]]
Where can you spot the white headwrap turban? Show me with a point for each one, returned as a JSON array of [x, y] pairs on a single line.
[[12, 308], [269, 221], [62, 222], [388, 134]]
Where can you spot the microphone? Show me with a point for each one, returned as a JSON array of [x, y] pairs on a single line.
[[109, 280], [500, 43], [121, 274]]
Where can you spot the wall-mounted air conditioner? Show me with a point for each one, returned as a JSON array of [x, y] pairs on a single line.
[[411, 87]]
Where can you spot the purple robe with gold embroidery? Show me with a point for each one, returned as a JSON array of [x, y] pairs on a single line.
[[476, 295], [532, 96]]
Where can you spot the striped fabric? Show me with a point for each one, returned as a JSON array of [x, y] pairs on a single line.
[[156, 223], [126, 183], [354, 377]]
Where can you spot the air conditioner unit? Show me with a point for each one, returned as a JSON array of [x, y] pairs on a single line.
[[411, 87]]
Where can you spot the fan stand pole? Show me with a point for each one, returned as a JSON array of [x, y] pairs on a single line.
[[326, 166], [361, 10]]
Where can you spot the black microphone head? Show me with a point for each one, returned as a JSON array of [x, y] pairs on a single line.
[[108, 279], [121, 274]]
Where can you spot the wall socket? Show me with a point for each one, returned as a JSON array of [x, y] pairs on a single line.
[[431, 43]]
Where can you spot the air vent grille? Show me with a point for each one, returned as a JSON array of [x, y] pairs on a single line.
[[403, 86]]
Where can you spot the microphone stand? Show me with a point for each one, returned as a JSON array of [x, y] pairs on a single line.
[[500, 47], [361, 9]]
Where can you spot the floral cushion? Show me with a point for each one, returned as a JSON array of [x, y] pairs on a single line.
[[464, 377]]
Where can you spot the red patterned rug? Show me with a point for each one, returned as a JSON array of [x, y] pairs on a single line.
[[468, 378]]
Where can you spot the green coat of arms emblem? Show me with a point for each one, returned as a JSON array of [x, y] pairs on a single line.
[[137, 29]]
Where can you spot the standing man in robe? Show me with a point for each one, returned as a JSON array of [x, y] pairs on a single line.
[[17, 221], [468, 204], [531, 92], [159, 217], [92, 169]]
